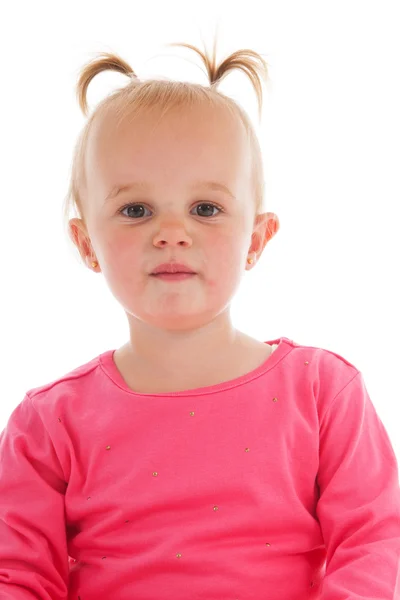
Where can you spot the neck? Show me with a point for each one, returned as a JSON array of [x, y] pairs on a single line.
[[173, 352]]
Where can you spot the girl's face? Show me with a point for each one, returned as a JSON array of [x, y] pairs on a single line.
[[176, 217]]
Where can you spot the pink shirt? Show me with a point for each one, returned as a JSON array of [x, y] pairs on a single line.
[[281, 484]]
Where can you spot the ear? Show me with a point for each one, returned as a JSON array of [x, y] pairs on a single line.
[[79, 235], [266, 226]]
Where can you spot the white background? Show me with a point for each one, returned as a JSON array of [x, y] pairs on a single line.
[[330, 138]]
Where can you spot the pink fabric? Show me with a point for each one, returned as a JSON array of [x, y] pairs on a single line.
[[281, 484]]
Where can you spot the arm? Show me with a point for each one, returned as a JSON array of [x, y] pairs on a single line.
[[33, 545], [359, 504]]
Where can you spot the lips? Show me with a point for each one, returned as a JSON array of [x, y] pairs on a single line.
[[170, 268]]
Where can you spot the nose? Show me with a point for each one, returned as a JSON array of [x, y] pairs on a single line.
[[173, 234]]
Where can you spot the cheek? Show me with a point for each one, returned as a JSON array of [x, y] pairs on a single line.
[[122, 260], [224, 256], [121, 250]]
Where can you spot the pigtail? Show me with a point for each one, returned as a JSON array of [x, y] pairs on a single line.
[[248, 61], [103, 62]]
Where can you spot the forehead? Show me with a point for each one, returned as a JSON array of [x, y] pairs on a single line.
[[186, 144]]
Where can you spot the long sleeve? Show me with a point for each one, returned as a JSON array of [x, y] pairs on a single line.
[[33, 547], [359, 501]]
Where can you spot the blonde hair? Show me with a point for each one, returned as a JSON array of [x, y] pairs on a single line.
[[165, 94]]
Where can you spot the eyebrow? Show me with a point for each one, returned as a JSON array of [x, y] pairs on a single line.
[[143, 186]]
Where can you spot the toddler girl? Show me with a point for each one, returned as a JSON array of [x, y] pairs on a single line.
[[194, 462]]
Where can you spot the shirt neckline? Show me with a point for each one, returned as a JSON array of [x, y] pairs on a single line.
[[106, 362]]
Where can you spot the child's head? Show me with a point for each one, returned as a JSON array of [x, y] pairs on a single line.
[[174, 137]]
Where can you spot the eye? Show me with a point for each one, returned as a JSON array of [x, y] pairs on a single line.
[[134, 213]]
